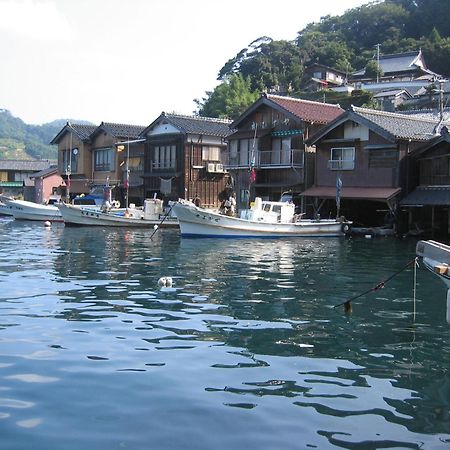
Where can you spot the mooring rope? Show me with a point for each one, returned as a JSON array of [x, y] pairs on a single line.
[[380, 285]]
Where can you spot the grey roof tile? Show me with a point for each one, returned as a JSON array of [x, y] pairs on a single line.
[[121, 130], [25, 165], [200, 125], [401, 126]]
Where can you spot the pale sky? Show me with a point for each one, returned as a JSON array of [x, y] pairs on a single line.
[[126, 61]]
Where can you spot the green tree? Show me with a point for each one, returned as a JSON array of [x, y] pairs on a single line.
[[270, 65], [229, 99], [373, 70]]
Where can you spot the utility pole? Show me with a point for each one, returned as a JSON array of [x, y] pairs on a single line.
[[378, 62]]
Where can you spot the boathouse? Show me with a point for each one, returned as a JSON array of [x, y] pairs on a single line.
[[428, 206], [266, 152], [184, 158], [366, 153]]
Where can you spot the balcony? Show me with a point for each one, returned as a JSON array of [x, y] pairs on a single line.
[[266, 159]]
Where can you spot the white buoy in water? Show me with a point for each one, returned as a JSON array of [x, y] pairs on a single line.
[[368, 236], [448, 306], [47, 224], [165, 281]]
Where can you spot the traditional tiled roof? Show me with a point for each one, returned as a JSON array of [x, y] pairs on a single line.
[[120, 130], [391, 126], [83, 131], [432, 114], [400, 62], [200, 125], [307, 110], [400, 126], [205, 126], [25, 165], [46, 172]]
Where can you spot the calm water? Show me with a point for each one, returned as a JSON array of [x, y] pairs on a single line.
[[244, 352]]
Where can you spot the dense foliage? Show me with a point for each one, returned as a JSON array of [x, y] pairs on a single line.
[[19, 140], [347, 43]]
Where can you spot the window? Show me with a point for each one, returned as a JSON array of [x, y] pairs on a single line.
[[342, 159], [103, 160], [386, 159], [70, 160], [210, 153], [164, 156], [248, 149]]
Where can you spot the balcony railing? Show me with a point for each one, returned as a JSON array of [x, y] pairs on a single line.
[[266, 159], [335, 164]]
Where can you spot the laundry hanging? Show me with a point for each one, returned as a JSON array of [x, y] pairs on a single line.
[[166, 186]]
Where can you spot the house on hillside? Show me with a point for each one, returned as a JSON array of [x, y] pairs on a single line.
[[428, 205], [16, 176], [184, 158], [397, 67], [368, 152], [323, 77], [266, 152]]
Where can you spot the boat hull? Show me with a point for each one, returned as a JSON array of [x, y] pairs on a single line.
[[436, 258], [76, 216], [23, 210], [198, 222]]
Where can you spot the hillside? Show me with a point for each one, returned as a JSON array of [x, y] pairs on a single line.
[[347, 43], [19, 140]]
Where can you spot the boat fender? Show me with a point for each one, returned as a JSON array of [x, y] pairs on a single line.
[[47, 224], [115, 204], [345, 227]]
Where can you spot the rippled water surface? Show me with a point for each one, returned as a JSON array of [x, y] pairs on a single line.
[[244, 351]]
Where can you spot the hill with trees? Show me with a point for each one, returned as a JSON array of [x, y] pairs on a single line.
[[346, 43], [19, 140]]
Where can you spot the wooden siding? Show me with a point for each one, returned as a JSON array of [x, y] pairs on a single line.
[[190, 177]]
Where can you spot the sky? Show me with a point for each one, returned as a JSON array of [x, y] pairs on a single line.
[[127, 61]]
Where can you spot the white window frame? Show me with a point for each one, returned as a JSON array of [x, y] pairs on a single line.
[[342, 158], [210, 153]]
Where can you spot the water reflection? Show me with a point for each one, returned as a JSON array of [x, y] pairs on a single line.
[[248, 334]]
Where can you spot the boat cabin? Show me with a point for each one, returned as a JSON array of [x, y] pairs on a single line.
[[269, 212]]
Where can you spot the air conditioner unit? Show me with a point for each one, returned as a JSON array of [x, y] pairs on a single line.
[[211, 167], [219, 168]]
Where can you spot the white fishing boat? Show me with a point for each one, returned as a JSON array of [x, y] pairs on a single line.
[[24, 210], [148, 216], [5, 210], [436, 258], [265, 219]]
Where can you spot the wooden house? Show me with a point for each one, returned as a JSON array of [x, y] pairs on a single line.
[[75, 157], [428, 205], [184, 158], [323, 77], [116, 149], [266, 153], [90, 155], [368, 152]]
